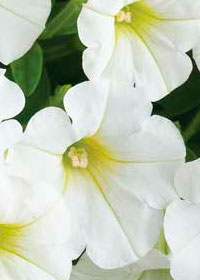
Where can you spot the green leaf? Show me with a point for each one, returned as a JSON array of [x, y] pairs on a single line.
[[38, 100], [27, 70], [65, 22], [57, 98]]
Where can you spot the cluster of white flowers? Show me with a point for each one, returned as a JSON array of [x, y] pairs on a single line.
[[104, 174]]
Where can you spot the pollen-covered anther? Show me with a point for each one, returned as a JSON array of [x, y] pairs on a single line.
[[123, 16], [79, 157]]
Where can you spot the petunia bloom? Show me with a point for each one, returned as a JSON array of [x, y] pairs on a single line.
[[114, 164], [12, 102], [34, 231], [140, 41], [21, 24], [182, 224]]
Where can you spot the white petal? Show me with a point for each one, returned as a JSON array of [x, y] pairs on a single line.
[[182, 231], [114, 235], [107, 7], [157, 140], [144, 63], [196, 55], [174, 9], [38, 227], [21, 24], [187, 181], [96, 31], [36, 165], [12, 99], [10, 134], [86, 104], [127, 107], [50, 130], [146, 162]]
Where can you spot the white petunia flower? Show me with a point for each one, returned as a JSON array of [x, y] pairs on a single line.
[[153, 265], [182, 224], [140, 41], [114, 163], [34, 231], [12, 102], [21, 23]]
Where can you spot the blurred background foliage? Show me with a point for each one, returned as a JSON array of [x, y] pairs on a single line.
[[53, 65]]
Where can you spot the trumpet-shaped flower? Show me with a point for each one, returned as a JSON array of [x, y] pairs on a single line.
[[182, 224], [34, 231], [21, 24], [113, 162], [153, 264], [140, 41], [11, 103]]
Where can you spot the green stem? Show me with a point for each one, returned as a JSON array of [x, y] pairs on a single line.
[[192, 128]]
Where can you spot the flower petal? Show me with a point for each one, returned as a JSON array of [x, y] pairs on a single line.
[[146, 162], [36, 224], [36, 165], [12, 99], [10, 133], [50, 130], [21, 24], [86, 104], [175, 9], [182, 231], [187, 181], [114, 235], [127, 107], [96, 31], [144, 63], [107, 7]]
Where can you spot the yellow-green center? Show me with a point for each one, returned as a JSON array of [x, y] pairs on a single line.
[[137, 16], [10, 238], [86, 154]]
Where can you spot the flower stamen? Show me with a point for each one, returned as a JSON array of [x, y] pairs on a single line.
[[123, 16], [79, 157]]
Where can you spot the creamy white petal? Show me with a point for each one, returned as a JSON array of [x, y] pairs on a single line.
[[86, 104], [107, 7], [157, 140], [97, 32], [35, 229], [12, 99], [10, 134], [126, 108], [50, 130], [20, 25], [144, 63], [174, 9], [145, 163], [114, 236], [187, 181], [182, 33], [182, 231], [36, 165]]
